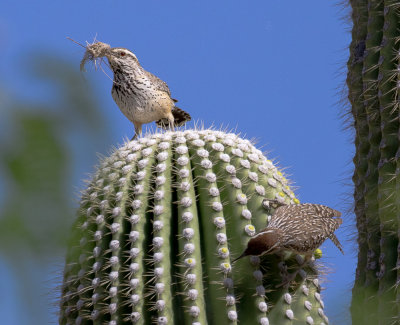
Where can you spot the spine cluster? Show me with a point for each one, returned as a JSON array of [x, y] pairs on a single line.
[[157, 230]]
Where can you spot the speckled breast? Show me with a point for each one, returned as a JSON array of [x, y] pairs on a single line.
[[141, 104]]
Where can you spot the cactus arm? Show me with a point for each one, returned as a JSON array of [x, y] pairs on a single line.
[[370, 83], [354, 81], [375, 293], [397, 194], [388, 204], [355, 86]]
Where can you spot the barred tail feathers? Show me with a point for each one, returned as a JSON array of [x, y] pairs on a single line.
[[180, 118], [336, 242]]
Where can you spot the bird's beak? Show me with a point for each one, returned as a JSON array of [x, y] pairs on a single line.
[[238, 258], [108, 54]]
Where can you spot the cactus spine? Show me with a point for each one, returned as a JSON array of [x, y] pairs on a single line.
[[158, 227], [373, 82]]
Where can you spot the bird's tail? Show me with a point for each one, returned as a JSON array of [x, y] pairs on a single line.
[[180, 118], [336, 242]]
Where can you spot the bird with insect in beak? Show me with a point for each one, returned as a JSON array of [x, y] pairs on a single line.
[[141, 96], [296, 228]]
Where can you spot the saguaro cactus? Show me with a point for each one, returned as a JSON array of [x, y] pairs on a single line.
[[373, 81], [158, 227]]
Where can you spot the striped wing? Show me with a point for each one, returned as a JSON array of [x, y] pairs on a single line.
[[305, 226]]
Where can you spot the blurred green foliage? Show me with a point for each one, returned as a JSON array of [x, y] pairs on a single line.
[[45, 144]]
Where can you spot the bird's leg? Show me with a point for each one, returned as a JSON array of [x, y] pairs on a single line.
[[274, 204], [138, 130], [171, 120]]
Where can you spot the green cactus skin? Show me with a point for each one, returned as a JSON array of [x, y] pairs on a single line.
[[355, 86], [158, 227], [373, 81]]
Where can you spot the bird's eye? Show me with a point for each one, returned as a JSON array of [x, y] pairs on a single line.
[[122, 53]]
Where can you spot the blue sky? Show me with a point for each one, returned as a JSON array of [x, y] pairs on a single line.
[[273, 70]]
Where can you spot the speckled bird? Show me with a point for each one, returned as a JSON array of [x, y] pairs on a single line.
[[299, 228], [141, 96]]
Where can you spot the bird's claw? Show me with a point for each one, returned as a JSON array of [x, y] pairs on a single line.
[[274, 204]]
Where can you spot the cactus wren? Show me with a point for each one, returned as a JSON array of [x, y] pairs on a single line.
[[140, 95], [299, 228]]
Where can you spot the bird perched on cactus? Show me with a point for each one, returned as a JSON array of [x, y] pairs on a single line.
[[299, 228], [141, 96], [152, 241]]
